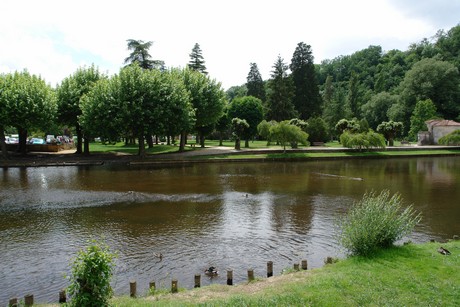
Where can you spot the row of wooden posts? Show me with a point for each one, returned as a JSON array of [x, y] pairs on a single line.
[[29, 299]]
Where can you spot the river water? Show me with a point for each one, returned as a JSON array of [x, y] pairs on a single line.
[[228, 215]]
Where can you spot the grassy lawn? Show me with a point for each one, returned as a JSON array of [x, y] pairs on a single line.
[[409, 275], [120, 147]]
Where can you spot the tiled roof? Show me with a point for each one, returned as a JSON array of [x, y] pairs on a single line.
[[442, 122]]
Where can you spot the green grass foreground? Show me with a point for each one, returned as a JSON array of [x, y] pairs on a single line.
[[409, 275]]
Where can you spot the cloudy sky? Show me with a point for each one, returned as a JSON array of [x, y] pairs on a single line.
[[53, 38]]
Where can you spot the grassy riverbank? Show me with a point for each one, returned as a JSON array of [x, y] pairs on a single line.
[[409, 275]]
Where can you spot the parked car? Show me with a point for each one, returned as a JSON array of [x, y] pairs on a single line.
[[36, 141]]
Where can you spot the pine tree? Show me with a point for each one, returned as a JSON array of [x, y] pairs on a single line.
[[140, 54], [255, 84], [307, 100], [281, 92], [196, 60]]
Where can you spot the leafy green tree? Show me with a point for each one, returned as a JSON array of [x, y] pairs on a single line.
[[140, 55], [285, 133], [92, 271], [239, 127], [376, 109], [248, 108], [317, 130], [448, 45], [175, 103], [281, 92], [390, 130], [436, 80], [29, 103], [263, 128], [236, 91], [102, 114], [306, 100], [197, 62], [208, 100], [254, 83], [424, 110], [222, 126], [347, 125], [5, 81], [69, 95]]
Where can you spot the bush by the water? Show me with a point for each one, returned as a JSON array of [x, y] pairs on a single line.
[[92, 270], [376, 221], [364, 140], [452, 138]]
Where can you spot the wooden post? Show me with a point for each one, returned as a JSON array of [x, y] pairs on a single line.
[[13, 302], [296, 266], [174, 286], [304, 264], [132, 288], [152, 285], [250, 275], [270, 269], [62, 296], [197, 280], [29, 300], [229, 277]]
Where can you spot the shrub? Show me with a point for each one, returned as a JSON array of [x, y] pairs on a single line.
[[376, 221], [91, 273], [363, 140], [452, 138]]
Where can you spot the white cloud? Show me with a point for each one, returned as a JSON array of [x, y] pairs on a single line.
[[54, 38]]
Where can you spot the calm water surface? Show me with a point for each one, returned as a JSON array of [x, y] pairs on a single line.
[[235, 215]]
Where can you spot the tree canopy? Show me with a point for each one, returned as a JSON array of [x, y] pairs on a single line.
[[250, 109], [255, 85], [140, 55]]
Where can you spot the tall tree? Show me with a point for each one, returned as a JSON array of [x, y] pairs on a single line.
[[281, 92], [424, 110], [29, 104], [69, 94], [208, 100], [436, 80], [353, 102], [307, 100], [140, 55], [196, 60], [255, 84]]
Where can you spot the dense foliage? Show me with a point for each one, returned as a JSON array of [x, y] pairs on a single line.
[[248, 108], [91, 271], [452, 138], [363, 140], [376, 221]]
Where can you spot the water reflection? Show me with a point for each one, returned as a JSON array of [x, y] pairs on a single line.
[[235, 216]]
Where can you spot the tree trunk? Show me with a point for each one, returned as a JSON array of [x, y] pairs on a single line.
[[141, 146], [149, 140], [22, 141], [221, 139], [391, 141], [237, 144], [183, 138], [168, 140], [79, 139], [202, 140], [246, 143], [156, 139], [86, 146], [2, 143]]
